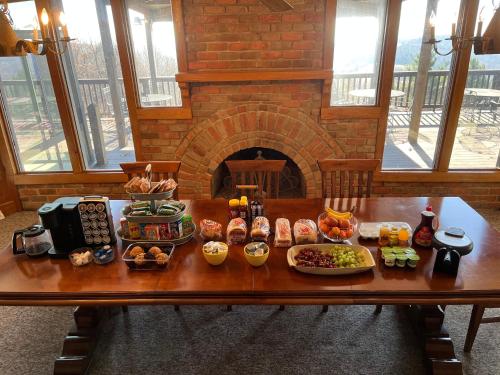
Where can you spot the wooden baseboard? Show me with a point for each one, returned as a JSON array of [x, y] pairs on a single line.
[[8, 208]]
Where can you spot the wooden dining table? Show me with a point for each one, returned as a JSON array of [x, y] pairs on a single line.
[[189, 279]]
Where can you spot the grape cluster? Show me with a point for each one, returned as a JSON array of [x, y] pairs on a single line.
[[346, 257]]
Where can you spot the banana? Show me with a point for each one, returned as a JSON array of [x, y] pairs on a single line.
[[339, 215]]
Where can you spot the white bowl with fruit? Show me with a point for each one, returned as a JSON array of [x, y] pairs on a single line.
[[337, 226]]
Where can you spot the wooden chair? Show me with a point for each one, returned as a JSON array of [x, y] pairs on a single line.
[[265, 174], [160, 170], [347, 178], [476, 320], [248, 176]]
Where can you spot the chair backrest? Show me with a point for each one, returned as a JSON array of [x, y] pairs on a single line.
[[263, 173], [347, 178], [159, 170]]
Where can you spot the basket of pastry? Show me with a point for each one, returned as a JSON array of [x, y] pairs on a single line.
[[141, 188], [148, 255]]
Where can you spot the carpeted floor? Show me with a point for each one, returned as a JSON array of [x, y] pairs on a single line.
[[249, 340]]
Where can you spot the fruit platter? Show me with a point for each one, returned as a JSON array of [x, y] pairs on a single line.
[[330, 259], [337, 226]]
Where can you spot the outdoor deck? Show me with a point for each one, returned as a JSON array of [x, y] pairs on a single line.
[[477, 147]]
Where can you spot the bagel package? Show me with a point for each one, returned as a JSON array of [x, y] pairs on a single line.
[[236, 231], [260, 229], [305, 231]]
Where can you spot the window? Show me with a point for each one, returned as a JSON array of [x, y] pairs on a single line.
[[477, 140], [95, 83], [153, 39], [29, 104], [420, 85], [359, 35]]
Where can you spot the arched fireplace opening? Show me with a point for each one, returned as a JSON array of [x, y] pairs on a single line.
[[292, 184]]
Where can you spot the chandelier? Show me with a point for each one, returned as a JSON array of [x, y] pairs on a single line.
[[54, 36]]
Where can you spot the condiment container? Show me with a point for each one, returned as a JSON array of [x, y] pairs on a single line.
[[413, 260], [234, 208], [215, 252], [390, 259], [401, 260], [244, 208], [424, 231]]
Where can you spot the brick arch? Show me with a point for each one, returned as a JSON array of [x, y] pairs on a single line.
[[289, 131]]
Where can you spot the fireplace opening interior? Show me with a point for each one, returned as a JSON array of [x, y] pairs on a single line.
[[292, 184]]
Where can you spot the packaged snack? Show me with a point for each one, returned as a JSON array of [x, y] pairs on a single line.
[[124, 226], [134, 231], [305, 231], [151, 232], [171, 231], [260, 229], [283, 233], [210, 230], [236, 231]]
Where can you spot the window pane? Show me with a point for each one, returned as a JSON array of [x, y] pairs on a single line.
[[359, 35], [153, 39], [477, 141], [420, 85], [30, 105], [95, 83]]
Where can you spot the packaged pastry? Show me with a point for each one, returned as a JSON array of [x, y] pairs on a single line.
[[283, 233], [305, 231], [260, 229], [152, 232], [210, 230], [236, 231]]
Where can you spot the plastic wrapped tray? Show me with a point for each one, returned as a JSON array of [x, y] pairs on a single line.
[[148, 264]]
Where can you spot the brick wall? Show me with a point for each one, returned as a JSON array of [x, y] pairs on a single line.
[[244, 35]]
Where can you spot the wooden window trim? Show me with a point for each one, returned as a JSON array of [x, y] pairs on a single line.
[[124, 42], [328, 111]]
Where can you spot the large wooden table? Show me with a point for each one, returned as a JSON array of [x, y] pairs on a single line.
[[189, 279]]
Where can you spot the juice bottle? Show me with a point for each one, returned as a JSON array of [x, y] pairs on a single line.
[[394, 237], [404, 236], [383, 237]]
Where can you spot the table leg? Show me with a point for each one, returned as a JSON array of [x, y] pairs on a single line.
[[80, 342], [439, 353]]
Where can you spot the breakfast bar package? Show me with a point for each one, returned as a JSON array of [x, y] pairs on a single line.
[[236, 231], [283, 233]]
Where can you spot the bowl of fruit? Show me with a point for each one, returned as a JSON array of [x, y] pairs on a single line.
[[337, 226]]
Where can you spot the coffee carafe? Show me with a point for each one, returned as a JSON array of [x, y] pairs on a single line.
[[32, 241]]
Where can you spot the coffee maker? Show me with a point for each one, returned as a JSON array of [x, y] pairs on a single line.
[[62, 219], [77, 222]]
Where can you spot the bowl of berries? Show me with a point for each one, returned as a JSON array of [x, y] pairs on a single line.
[[337, 226]]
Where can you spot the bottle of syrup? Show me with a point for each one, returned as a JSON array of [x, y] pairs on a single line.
[[424, 232]]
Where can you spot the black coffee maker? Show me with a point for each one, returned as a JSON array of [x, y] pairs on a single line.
[[61, 217]]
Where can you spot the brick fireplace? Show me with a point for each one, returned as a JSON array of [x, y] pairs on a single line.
[[243, 35]]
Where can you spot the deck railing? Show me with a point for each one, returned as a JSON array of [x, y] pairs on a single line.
[[437, 83], [95, 91]]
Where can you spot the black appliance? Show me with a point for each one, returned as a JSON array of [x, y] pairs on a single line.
[[61, 217], [451, 244]]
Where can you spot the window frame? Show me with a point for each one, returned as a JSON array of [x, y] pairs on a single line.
[[125, 50]]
